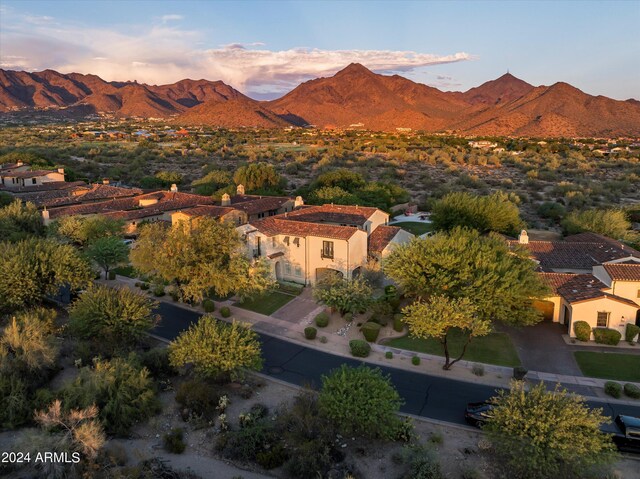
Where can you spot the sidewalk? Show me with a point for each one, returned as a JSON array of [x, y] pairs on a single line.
[[337, 344]]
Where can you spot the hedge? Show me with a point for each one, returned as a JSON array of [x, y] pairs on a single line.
[[582, 330], [370, 331], [209, 306], [607, 336], [631, 332], [415, 360], [348, 317], [310, 332], [322, 320], [398, 322], [225, 312], [613, 389], [359, 348], [632, 391]]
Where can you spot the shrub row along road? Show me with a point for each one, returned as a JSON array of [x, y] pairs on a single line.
[[424, 395]]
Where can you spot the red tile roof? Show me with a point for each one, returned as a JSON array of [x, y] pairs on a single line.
[[23, 191], [623, 272], [276, 225], [340, 214], [28, 174], [79, 195], [575, 288], [253, 205], [381, 237], [209, 210]]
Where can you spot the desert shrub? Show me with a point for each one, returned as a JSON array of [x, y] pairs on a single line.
[[156, 360], [144, 286], [322, 320], [613, 389], [311, 459], [209, 306], [415, 360], [388, 355], [382, 308], [607, 336], [398, 322], [323, 339], [15, 409], [478, 369], [174, 441], [421, 462], [359, 348], [225, 312], [370, 331], [198, 398], [246, 443], [310, 332], [519, 373], [631, 332], [632, 391], [272, 458], [158, 290], [348, 317], [582, 330], [112, 275]]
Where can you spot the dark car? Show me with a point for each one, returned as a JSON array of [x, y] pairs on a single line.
[[477, 413], [625, 432]]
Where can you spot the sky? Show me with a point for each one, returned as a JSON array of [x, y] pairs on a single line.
[[265, 48]]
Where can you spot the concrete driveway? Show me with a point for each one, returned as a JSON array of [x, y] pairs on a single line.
[[541, 348], [300, 310]]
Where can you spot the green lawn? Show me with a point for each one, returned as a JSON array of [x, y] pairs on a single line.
[[128, 271], [623, 367], [495, 348], [267, 304], [415, 227]]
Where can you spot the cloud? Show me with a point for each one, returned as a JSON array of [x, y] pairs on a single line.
[[164, 53], [171, 18]]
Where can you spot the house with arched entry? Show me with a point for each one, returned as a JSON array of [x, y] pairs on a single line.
[[593, 279]]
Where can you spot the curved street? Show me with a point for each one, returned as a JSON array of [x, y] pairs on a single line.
[[424, 395]]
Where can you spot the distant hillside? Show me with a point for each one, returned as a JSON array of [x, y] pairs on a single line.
[[355, 97]]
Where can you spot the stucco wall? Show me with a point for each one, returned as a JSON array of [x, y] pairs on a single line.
[[588, 311]]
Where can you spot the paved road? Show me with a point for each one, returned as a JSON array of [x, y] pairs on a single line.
[[424, 395]]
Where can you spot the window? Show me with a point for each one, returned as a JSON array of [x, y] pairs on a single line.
[[638, 296], [287, 268], [273, 241], [327, 249], [603, 319], [33, 181], [298, 271]]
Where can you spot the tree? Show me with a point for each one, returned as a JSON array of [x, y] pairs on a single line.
[[212, 182], [543, 434], [500, 282], [18, 221], [347, 296], [257, 176], [107, 252], [208, 256], [215, 348], [34, 268], [115, 315], [360, 401], [343, 178], [84, 230], [608, 222], [497, 212], [332, 194], [169, 177], [436, 317]]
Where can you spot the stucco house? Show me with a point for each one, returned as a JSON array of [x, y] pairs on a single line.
[[18, 177], [593, 278]]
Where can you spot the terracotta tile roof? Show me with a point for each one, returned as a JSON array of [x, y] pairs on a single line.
[[252, 205], [623, 272], [28, 174], [276, 225], [340, 214], [556, 280], [575, 288], [381, 237], [80, 194], [48, 186], [209, 210]]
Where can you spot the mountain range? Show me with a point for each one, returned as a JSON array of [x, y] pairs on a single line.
[[354, 97]]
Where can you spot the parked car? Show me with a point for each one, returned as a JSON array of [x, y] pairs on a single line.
[[477, 413], [129, 242], [625, 431]]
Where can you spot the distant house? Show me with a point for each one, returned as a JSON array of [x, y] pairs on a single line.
[[384, 238], [593, 278], [258, 206], [191, 216], [482, 144], [14, 178]]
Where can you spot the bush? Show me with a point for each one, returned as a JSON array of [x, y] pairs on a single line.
[[144, 286], [370, 331], [388, 355], [158, 290], [209, 306], [322, 320], [274, 457], [348, 317], [478, 369], [519, 373], [156, 360], [312, 459], [197, 398], [359, 348], [310, 332], [174, 441], [582, 330], [607, 336], [631, 332], [632, 391], [415, 360], [246, 443], [613, 389], [225, 312], [398, 322], [112, 275], [324, 340]]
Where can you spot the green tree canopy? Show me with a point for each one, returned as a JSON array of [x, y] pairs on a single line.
[[208, 256], [436, 317], [212, 182], [257, 176], [346, 296], [169, 177], [83, 230], [361, 401], [34, 268], [18, 221], [108, 252], [343, 178], [501, 283], [613, 223], [119, 316], [332, 194], [215, 348], [497, 212], [543, 434]]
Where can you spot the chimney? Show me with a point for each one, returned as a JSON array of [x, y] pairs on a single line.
[[105, 181], [45, 216], [61, 171], [226, 200], [298, 202], [174, 188], [240, 190], [523, 238]]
